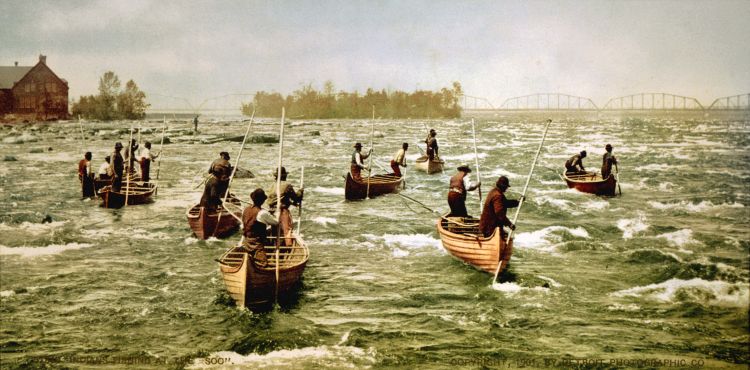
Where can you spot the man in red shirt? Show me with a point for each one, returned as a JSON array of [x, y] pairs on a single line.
[[495, 209], [86, 176]]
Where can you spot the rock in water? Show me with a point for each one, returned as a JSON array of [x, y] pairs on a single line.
[[10, 158]]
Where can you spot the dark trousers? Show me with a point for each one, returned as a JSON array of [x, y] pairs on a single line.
[[117, 182], [356, 172], [145, 169], [396, 168], [87, 186], [457, 202]]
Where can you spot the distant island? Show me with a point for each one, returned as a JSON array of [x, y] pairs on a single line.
[[308, 102]]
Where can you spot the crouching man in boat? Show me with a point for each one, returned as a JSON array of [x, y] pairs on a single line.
[[494, 213], [575, 163], [217, 183], [432, 145], [145, 161], [289, 197], [105, 170], [357, 165], [118, 167], [86, 176], [459, 185], [399, 159], [255, 221], [607, 161]]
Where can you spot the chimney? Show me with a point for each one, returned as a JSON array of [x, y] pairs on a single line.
[[16, 64], [42, 59]]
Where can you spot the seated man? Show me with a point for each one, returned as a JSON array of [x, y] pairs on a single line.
[[105, 170]]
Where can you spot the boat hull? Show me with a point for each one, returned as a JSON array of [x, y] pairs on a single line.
[[206, 224], [425, 165], [379, 185], [465, 244], [138, 193], [252, 286], [591, 183]]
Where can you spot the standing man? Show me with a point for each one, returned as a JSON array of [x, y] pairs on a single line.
[[118, 167], [356, 164], [130, 155], [494, 213], [195, 123], [575, 163], [432, 145], [399, 159], [289, 197], [145, 161], [86, 175], [217, 183], [607, 161], [459, 185], [255, 222]]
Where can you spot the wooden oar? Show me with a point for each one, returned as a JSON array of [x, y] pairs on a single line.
[[617, 178], [161, 145], [299, 216], [476, 163], [369, 169], [83, 138], [431, 210], [500, 265], [127, 175], [231, 176], [278, 204]]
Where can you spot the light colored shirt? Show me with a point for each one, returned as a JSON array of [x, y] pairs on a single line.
[[104, 169], [146, 153], [399, 158], [267, 218], [467, 182]]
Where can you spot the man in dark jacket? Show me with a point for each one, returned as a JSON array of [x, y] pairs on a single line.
[[217, 183], [255, 222], [458, 186], [289, 197], [432, 145], [575, 163], [494, 213], [118, 166], [607, 161]]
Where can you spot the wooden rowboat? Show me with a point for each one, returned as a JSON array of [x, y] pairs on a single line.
[[591, 182], [379, 185], [137, 193], [251, 285], [433, 166], [100, 183], [462, 239], [203, 222]]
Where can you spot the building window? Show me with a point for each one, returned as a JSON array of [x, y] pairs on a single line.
[[51, 87]]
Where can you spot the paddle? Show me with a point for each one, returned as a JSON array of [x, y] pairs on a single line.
[[617, 177], [83, 138], [231, 176], [127, 174], [476, 163], [278, 205], [161, 145], [302, 187], [500, 264], [369, 167]]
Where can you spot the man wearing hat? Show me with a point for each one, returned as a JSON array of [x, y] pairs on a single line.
[[255, 222], [399, 159], [575, 163], [289, 197], [118, 167], [145, 161], [432, 145], [607, 161], [494, 213], [357, 165], [217, 183], [459, 185]]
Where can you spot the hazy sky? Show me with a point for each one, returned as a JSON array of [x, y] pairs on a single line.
[[496, 49]]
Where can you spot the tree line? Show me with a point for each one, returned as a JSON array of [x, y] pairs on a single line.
[[112, 103], [310, 103]]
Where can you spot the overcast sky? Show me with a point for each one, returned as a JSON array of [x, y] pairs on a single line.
[[496, 49]]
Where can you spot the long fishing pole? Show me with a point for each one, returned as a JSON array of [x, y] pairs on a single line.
[[161, 146], [617, 178], [278, 205], [369, 167], [299, 216], [476, 163], [234, 170], [501, 264], [127, 173]]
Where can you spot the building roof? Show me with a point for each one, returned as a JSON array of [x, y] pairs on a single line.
[[11, 75]]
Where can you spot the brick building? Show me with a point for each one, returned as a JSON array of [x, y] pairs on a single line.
[[33, 93]]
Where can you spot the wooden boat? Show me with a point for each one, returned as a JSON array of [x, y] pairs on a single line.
[[251, 285], [137, 193], [433, 166], [379, 185], [591, 182], [204, 222], [462, 239], [100, 184]]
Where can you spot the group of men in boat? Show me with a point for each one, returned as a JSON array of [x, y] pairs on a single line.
[[112, 169], [574, 165]]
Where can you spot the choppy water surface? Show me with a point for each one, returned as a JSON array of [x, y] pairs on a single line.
[[659, 273]]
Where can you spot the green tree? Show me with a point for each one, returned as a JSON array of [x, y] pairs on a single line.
[[131, 103], [109, 89]]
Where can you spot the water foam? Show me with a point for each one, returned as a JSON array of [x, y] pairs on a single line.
[[321, 356], [714, 293], [541, 239], [325, 190], [703, 206], [42, 251], [410, 241], [512, 288], [632, 226], [32, 227], [679, 238], [324, 220]]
